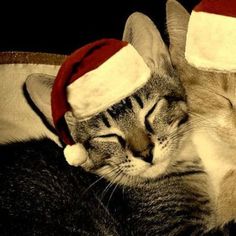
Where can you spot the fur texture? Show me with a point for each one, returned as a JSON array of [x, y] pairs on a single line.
[[211, 100], [135, 139], [41, 194]]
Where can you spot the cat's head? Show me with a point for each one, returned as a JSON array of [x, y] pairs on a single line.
[[211, 95], [136, 139]]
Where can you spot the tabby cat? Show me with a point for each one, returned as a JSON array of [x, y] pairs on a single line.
[[211, 101], [136, 139], [139, 145]]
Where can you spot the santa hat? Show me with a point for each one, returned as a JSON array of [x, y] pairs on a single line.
[[211, 36], [92, 79]]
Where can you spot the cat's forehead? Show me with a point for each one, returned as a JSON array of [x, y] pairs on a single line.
[[129, 104], [127, 109]]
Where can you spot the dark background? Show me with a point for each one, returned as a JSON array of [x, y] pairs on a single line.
[[63, 26]]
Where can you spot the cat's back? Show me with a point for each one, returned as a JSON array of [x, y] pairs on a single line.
[[41, 194]]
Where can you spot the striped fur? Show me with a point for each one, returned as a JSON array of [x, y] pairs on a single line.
[[155, 186], [41, 194], [135, 140]]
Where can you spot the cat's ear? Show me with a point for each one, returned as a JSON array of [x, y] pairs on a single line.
[[39, 87], [177, 25], [142, 33]]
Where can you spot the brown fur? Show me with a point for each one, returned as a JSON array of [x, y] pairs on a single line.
[[211, 100], [227, 198]]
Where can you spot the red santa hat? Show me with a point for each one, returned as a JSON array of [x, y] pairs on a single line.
[[211, 36], [92, 79]]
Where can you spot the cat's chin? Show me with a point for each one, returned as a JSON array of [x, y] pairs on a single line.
[[156, 170], [145, 173]]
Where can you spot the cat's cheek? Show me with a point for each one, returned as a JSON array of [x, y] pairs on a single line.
[[97, 158]]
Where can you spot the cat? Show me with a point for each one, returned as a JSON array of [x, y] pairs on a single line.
[[211, 104], [140, 140], [136, 139], [136, 144], [41, 194]]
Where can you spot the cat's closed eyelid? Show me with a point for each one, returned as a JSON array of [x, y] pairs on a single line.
[[173, 98], [111, 137], [103, 139], [109, 132], [229, 101]]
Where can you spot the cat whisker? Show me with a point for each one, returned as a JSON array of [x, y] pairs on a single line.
[[123, 190], [117, 184], [198, 117], [94, 183], [109, 185], [199, 125], [113, 191], [197, 120], [91, 185], [181, 132], [178, 135], [210, 89]]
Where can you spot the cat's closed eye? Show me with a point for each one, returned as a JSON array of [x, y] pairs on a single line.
[[228, 100], [171, 98], [112, 137]]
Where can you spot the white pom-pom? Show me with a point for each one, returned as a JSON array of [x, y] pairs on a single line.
[[76, 154]]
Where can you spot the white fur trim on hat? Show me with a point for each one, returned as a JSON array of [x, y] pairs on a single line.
[[76, 154], [211, 41], [115, 79]]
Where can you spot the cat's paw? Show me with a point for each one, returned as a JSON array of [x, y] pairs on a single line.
[[76, 155]]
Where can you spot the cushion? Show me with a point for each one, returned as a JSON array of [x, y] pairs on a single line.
[[18, 119]]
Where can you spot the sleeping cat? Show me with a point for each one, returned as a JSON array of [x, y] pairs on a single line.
[[141, 142], [136, 139], [211, 101], [160, 186], [136, 144]]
